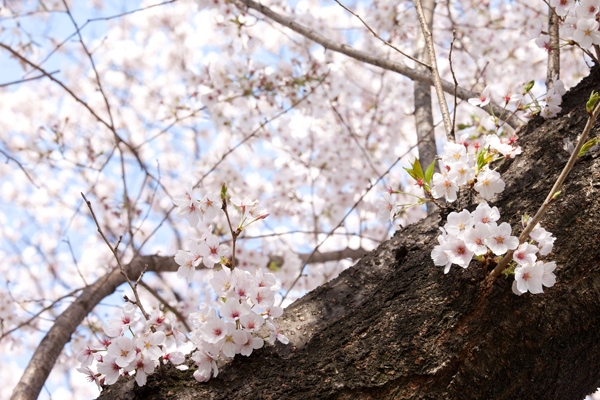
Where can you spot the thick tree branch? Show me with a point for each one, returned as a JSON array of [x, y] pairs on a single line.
[[394, 66], [49, 349]]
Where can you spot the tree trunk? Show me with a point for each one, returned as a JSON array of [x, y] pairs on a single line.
[[395, 327]]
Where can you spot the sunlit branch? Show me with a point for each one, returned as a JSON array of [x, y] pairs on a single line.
[[380, 38], [366, 57]]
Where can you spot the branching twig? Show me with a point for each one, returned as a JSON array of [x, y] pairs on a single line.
[[20, 166], [27, 79], [114, 251], [174, 310], [365, 57], [380, 38]]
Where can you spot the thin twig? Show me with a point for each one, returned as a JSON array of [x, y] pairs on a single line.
[[28, 79], [20, 166], [435, 72], [544, 207], [114, 251], [455, 82], [380, 38], [363, 56], [368, 189], [166, 304]]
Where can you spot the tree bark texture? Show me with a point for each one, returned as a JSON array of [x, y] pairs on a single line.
[[395, 327], [422, 95]]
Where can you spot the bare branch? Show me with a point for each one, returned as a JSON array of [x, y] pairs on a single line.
[[380, 38], [435, 72], [400, 68], [27, 79], [20, 166]]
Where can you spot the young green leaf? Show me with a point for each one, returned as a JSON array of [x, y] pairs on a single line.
[[592, 102], [588, 145], [528, 87], [429, 172]]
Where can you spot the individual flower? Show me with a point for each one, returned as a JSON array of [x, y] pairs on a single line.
[[485, 214], [210, 205], [488, 184], [529, 278], [506, 149], [234, 340], [525, 254], [548, 277], [458, 223], [176, 357], [276, 334], [143, 367], [122, 350], [587, 9], [206, 363], [512, 97], [244, 203], [212, 251], [483, 99], [149, 343], [186, 269], [586, 33], [387, 208], [457, 252], [252, 343], [562, 7], [86, 357], [475, 238], [453, 153], [442, 186], [460, 173], [223, 282], [251, 321], [233, 310], [544, 238], [500, 240], [214, 329], [543, 42], [110, 369]]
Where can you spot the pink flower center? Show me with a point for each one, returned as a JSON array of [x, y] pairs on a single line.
[[461, 250], [499, 239], [217, 331]]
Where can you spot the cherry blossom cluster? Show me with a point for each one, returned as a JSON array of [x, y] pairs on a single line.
[[466, 235], [464, 163], [579, 23], [245, 303], [139, 354]]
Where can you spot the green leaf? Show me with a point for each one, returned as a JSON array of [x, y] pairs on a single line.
[[528, 87], [463, 126], [592, 102], [588, 145], [556, 194], [223, 191], [417, 169], [411, 173], [429, 172], [481, 160]]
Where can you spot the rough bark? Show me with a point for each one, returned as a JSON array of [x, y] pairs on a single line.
[[395, 327], [422, 95]]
